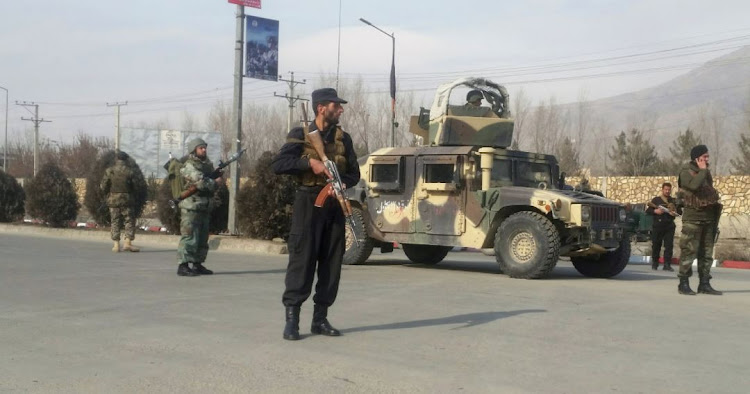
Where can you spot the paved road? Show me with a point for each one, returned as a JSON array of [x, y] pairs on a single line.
[[75, 317]]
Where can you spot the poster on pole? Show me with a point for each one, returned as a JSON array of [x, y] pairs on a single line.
[[262, 48], [247, 3]]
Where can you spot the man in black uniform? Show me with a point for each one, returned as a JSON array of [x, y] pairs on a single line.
[[317, 236], [663, 227]]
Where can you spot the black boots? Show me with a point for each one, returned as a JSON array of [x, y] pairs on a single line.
[[291, 330], [705, 288], [684, 287], [201, 270], [668, 267], [320, 324], [654, 264], [184, 270]]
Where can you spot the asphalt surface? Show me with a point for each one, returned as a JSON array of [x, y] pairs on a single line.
[[75, 317]]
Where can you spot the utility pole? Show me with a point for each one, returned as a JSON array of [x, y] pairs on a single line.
[[36, 122], [290, 97], [117, 122], [234, 186], [5, 146]]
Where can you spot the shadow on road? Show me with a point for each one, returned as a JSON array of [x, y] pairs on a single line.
[[468, 320], [158, 251], [259, 272], [736, 291]]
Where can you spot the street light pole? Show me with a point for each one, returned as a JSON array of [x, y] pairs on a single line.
[[5, 145], [393, 80]]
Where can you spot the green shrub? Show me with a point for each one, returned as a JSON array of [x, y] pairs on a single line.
[[152, 188], [96, 201], [264, 203], [170, 218], [12, 199], [51, 197], [220, 215]]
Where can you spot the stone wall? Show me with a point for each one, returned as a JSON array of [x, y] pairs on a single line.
[[734, 190]]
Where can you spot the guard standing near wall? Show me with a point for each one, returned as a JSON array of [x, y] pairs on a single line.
[[663, 228], [700, 221]]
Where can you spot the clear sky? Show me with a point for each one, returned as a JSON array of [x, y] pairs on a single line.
[[166, 56]]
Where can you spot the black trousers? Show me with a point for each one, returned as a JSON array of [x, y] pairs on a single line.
[[661, 235], [316, 242]]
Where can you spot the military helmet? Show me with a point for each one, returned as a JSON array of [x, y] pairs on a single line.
[[194, 143], [474, 95]]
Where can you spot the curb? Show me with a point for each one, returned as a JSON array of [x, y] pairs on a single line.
[[646, 260], [736, 264], [222, 243]]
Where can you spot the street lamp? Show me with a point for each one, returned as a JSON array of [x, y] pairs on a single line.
[[5, 145], [393, 81]]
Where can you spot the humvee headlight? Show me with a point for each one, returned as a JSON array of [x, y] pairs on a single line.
[[585, 213], [623, 215]]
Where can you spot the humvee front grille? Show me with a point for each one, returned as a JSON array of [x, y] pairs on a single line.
[[604, 214]]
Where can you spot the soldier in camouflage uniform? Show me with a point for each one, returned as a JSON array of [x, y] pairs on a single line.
[[195, 210], [700, 218], [117, 183]]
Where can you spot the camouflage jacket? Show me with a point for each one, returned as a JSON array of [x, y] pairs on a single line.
[[117, 184], [699, 198], [194, 172]]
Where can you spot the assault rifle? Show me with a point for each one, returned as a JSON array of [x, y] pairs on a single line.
[[213, 175], [665, 209], [334, 183]]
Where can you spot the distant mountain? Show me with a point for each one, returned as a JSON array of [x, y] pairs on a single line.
[[722, 84]]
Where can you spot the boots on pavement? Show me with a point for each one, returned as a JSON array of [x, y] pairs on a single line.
[[129, 246], [705, 288], [116, 247], [291, 329], [320, 324], [684, 287]]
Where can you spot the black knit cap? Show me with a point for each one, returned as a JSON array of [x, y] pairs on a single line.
[[698, 151]]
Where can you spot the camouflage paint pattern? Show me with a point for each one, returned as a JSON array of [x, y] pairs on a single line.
[[433, 195], [122, 216]]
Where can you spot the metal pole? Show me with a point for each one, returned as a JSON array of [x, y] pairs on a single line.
[[117, 122], [36, 138], [5, 146], [117, 128], [234, 185], [338, 53], [393, 67], [393, 99]]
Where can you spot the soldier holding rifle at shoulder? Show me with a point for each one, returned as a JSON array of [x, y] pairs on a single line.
[[317, 236], [700, 221], [664, 210]]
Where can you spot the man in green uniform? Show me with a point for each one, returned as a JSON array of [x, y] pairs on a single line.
[[195, 210], [700, 220], [118, 185], [474, 98]]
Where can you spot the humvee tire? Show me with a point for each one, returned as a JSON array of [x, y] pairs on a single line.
[[354, 255], [605, 265], [527, 245], [426, 254]]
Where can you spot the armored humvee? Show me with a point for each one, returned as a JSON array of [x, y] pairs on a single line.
[[463, 187]]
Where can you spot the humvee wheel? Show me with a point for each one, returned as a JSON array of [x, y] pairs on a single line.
[[527, 245], [353, 254], [426, 254], [604, 265]]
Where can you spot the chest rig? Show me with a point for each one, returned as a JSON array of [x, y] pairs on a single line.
[[334, 150]]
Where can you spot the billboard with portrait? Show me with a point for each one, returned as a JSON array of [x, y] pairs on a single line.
[[262, 48]]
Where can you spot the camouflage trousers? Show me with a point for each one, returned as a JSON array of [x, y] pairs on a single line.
[[193, 246], [696, 242], [120, 216]]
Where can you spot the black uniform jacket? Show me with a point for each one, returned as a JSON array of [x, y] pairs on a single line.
[[290, 161]]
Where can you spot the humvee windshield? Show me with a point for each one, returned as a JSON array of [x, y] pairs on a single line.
[[532, 174]]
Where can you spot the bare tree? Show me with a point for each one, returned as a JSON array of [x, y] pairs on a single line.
[[708, 121], [548, 126], [521, 109]]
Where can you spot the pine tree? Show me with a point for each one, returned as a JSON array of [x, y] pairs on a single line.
[[568, 157], [633, 155], [741, 165], [680, 151]]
